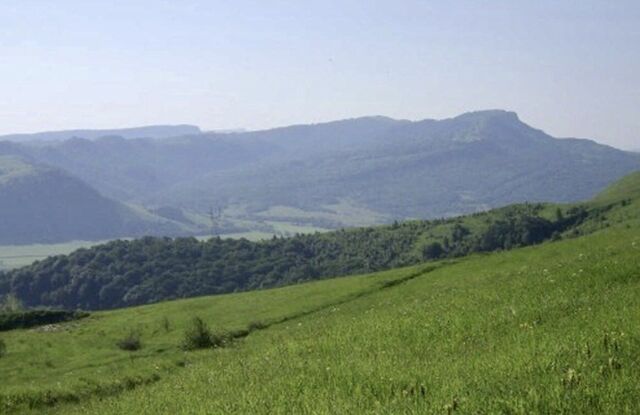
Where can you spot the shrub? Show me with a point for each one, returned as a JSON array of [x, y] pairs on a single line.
[[33, 318], [130, 343], [256, 325], [166, 324], [3, 348], [199, 336]]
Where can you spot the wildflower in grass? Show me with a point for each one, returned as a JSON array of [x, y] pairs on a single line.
[[571, 377], [451, 407]]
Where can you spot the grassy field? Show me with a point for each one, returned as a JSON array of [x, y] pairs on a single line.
[[74, 360], [553, 328], [548, 329], [344, 212]]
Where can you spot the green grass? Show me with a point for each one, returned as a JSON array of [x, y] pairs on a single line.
[[627, 187], [552, 328], [345, 212], [78, 359], [546, 329]]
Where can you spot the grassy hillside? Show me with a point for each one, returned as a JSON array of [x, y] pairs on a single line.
[[626, 188], [544, 329], [549, 328], [72, 361]]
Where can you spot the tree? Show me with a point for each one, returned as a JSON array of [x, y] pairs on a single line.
[[432, 251]]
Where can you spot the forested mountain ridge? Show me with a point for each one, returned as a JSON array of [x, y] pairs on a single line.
[[355, 172], [125, 273], [151, 131], [422, 170], [351, 172]]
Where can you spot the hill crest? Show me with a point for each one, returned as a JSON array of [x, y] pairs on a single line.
[[150, 131]]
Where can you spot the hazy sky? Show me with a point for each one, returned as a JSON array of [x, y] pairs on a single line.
[[571, 68]]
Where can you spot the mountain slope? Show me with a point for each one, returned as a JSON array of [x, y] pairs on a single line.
[[544, 329], [352, 172], [129, 169], [40, 204], [549, 329], [424, 169], [124, 273]]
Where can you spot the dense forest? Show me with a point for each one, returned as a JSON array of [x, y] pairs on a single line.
[[146, 270]]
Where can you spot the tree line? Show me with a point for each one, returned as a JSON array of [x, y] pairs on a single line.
[[150, 269]]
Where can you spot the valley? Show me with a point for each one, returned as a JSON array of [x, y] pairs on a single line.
[[320, 207], [552, 321]]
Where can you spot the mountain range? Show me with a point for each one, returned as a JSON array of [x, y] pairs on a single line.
[[352, 172], [151, 131]]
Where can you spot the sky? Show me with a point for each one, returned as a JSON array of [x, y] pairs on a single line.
[[570, 67]]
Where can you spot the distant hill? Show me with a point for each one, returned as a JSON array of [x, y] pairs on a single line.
[[152, 131], [40, 204], [351, 172], [395, 169], [125, 273], [551, 328], [129, 169]]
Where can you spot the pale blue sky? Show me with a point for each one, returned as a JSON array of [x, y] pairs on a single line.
[[571, 68]]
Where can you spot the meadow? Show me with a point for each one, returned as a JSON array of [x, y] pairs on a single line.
[[550, 328], [546, 329], [75, 360]]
